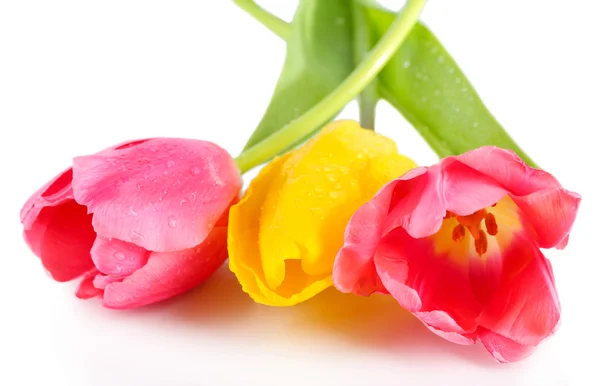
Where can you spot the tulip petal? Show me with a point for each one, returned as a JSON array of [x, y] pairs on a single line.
[[547, 206], [551, 213], [354, 270], [504, 350], [417, 204], [423, 195], [116, 257], [423, 281], [525, 308], [55, 192], [442, 324], [163, 194], [86, 288], [466, 190], [62, 237], [168, 274], [101, 281]]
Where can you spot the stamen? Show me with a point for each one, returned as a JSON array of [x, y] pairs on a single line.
[[490, 224], [472, 219], [481, 243], [449, 215], [458, 233]]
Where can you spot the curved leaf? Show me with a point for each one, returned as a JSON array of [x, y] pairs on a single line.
[[319, 57], [426, 85]]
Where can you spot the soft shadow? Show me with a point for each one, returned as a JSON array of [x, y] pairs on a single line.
[[377, 322], [217, 301]]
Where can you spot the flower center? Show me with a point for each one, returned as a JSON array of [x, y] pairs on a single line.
[[472, 223]]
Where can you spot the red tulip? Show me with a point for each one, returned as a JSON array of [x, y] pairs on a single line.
[[141, 222], [458, 245]]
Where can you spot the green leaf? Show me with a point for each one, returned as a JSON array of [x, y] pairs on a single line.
[[425, 84], [319, 57]]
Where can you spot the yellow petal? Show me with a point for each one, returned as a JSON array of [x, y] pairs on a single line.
[[286, 231]]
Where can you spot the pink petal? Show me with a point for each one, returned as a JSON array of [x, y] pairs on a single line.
[[549, 208], [551, 213], [101, 281], [163, 194], [169, 273], [525, 307], [86, 289], [422, 197], [62, 237], [116, 257], [508, 169], [353, 270], [416, 204], [57, 191], [465, 190], [442, 324], [503, 349]]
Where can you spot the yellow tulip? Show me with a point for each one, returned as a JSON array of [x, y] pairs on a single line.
[[285, 232]]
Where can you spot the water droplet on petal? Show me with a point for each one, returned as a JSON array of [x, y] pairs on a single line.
[[119, 256], [172, 222], [153, 149], [195, 170], [334, 194], [132, 211], [193, 196], [139, 186], [170, 164], [137, 235]]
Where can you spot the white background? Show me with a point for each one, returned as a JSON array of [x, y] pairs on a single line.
[[77, 76]]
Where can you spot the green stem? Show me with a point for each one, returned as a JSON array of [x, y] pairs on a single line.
[[279, 27], [367, 100], [342, 95]]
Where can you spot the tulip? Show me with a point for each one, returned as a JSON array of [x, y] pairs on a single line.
[[141, 222], [286, 230], [458, 245]]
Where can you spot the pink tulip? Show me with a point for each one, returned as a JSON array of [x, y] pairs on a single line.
[[458, 245], [141, 222]]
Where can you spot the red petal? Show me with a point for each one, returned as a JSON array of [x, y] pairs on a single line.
[[525, 307], [86, 289], [62, 236], [55, 192], [168, 274], [162, 194], [424, 282]]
